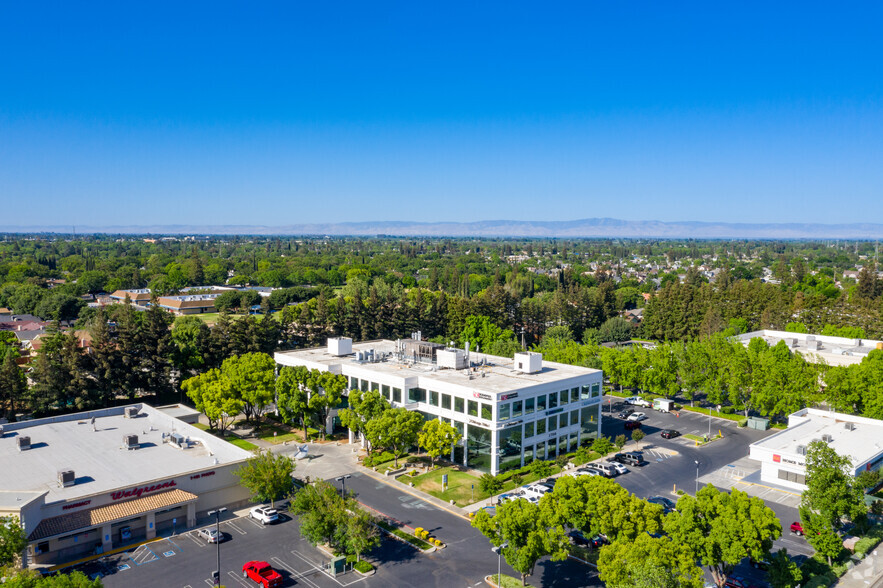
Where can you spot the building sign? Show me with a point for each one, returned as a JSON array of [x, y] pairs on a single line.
[[476, 423], [76, 504], [793, 461], [512, 424], [777, 458], [509, 396], [137, 492], [202, 475], [482, 396]]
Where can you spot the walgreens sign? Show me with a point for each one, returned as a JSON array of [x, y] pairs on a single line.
[[137, 492]]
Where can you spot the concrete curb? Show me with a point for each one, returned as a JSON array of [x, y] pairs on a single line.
[[421, 495]]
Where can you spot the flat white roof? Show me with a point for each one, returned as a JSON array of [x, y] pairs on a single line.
[[98, 458], [862, 444], [501, 375], [834, 350]]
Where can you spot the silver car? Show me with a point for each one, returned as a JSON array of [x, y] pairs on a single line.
[[211, 535]]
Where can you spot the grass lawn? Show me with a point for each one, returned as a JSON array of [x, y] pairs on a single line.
[[242, 443], [508, 581], [201, 427], [459, 486]]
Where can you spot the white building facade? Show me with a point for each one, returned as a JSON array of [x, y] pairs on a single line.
[[509, 411]]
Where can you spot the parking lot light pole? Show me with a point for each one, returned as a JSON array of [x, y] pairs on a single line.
[[697, 475], [499, 551], [217, 512], [342, 480]]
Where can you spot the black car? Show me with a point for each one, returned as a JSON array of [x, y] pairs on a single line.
[[577, 538], [625, 414], [666, 504], [599, 540], [629, 458], [670, 433]]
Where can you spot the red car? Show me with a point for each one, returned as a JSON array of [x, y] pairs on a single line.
[[797, 528], [629, 425], [262, 573]]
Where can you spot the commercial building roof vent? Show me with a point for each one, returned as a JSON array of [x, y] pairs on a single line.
[[801, 450], [528, 362], [827, 438], [131, 412], [849, 426], [66, 478], [340, 346], [23, 442], [131, 441]]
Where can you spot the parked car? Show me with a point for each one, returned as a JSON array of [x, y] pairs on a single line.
[[264, 514], [763, 564], [637, 416], [638, 401], [577, 538], [584, 472], [211, 535], [625, 414], [262, 573], [620, 469], [630, 425], [630, 458], [667, 505], [599, 540], [670, 433], [739, 582], [605, 469], [797, 528]]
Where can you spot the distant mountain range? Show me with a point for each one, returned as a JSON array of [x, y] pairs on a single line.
[[584, 228]]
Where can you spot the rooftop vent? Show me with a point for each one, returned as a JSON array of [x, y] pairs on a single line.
[[849, 426], [66, 478], [827, 438], [1, 430], [801, 450], [24, 443], [340, 346], [130, 441], [179, 440], [131, 412], [451, 358], [528, 362]]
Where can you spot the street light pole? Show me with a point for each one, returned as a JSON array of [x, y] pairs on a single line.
[[342, 480], [217, 513], [697, 475], [499, 551]]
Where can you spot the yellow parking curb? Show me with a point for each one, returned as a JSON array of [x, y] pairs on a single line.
[[77, 562]]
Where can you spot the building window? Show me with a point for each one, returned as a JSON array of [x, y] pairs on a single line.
[[354, 383], [596, 390], [459, 404], [363, 385], [562, 397], [473, 409], [792, 477], [553, 423], [374, 386], [588, 429], [541, 450], [574, 417], [509, 449], [503, 412], [433, 398], [486, 412], [553, 400], [386, 391], [446, 401], [528, 430], [516, 409], [541, 426], [541, 403], [528, 406], [416, 395], [574, 394], [585, 393], [397, 395], [478, 448], [43, 547], [562, 420], [562, 445]]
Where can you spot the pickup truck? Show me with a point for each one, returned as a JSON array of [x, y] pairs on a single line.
[[262, 573]]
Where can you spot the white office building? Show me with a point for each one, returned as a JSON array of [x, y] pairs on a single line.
[[508, 410], [783, 455]]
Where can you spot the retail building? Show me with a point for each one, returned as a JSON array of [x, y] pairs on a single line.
[[508, 410], [89, 482]]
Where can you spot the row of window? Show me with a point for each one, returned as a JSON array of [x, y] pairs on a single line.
[[792, 477]]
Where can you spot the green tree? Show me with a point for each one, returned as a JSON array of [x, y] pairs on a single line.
[[253, 376], [396, 429], [637, 435], [214, 396], [13, 386], [267, 476], [190, 339], [326, 391], [12, 540], [821, 534], [615, 329], [620, 442], [33, 579], [784, 572], [602, 446], [648, 562], [832, 492], [723, 528], [363, 407], [360, 533], [292, 397], [518, 525], [490, 484], [321, 512], [437, 438]]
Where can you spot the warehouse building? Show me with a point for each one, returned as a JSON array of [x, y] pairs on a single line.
[[840, 351], [783, 455], [90, 482], [508, 410]]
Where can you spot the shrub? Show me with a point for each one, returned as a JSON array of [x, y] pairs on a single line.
[[418, 531], [377, 458], [728, 410], [424, 534], [363, 566], [822, 581], [540, 468], [601, 446], [680, 492], [517, 479], [877, 507], [561, 460]]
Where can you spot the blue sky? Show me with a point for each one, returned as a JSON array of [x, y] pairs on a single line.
[[292, 112]]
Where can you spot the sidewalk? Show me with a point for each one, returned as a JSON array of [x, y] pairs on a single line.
[[867, 574]]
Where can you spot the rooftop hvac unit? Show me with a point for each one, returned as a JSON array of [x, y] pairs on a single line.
[[801, 450], [849, 426], [827, 438], [67, 478], [340, 346], [23, 443], [130, 441], [528, 362], [130, 412], [179, 440]]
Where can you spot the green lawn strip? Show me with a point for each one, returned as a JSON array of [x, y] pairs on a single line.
[[418, 543], [459, 486], [242, 443], [696, 438], [201, 427], [508, 581], [714, 413]]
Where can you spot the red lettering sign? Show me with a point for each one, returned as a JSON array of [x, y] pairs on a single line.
[[137, 492], [76, 504], [202, 475]]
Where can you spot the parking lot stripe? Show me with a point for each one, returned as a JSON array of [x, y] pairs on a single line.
[[238, 579], [237, 529], [255, 523]]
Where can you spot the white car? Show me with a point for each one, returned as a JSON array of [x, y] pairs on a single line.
[[264, 514], [210, 534], [637, 416], [620, 469], [577, 473]]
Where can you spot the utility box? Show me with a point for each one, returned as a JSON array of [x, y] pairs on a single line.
[[340, 346], [758, 423], [528, 362]]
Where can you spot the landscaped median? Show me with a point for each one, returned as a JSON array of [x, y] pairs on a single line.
[[402, 535], [507, 581]]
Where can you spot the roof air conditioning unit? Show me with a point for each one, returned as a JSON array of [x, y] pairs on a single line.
[[849, 426], [67, 478], [131, 412], [24, 443], [801, 450], [130, 441], [827, 438], [528, 362], [340, 346]]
